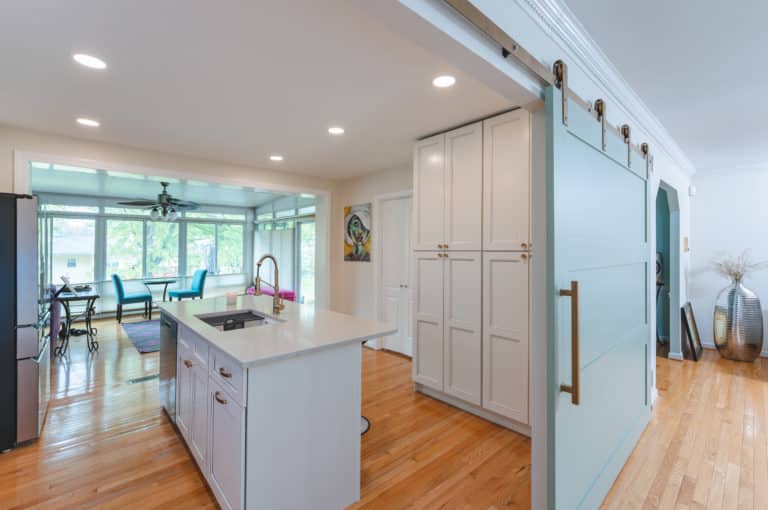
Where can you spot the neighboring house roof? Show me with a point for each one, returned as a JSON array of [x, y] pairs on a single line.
[[73, 245]]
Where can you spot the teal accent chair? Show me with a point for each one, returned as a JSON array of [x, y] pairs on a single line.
[[195, 291], [127, 299]]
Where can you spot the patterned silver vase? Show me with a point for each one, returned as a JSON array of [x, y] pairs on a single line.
[[738, 323]]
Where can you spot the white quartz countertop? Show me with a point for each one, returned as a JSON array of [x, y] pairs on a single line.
[[304, 328]]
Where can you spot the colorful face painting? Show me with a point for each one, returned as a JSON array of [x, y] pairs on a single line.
[[357, 233]]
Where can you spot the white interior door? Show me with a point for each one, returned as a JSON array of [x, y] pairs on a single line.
[[395, 275]]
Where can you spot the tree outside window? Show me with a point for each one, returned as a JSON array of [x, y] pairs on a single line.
[[162, 249], [125, 248]]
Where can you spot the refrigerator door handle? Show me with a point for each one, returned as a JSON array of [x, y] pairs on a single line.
[[42, 353]]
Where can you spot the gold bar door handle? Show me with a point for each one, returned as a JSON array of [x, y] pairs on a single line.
[[574, 388]]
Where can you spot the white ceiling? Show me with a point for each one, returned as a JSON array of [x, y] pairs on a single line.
[[699, 66], [231, 81], [68, 180]]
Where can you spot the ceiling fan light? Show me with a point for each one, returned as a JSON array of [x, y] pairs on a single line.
[[154, 213], [172, 214]]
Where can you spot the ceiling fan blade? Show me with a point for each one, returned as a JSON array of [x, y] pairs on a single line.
[[139, 203], [183, 204]]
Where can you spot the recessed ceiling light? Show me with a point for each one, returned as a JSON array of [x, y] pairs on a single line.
[[88, 122], [89, 61], [276, 157], [336, 130], [444, 81]]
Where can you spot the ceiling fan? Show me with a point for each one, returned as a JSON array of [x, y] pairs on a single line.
[[165, 207]]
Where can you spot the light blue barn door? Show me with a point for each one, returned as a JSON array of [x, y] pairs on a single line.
[[598, 256]]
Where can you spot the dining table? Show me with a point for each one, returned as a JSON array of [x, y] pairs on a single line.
[[68, 298], [165, 282]]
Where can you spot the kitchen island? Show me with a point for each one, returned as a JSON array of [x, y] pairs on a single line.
[[268, 404]]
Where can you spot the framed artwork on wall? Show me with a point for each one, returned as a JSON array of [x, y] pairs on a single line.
[[357, 233]]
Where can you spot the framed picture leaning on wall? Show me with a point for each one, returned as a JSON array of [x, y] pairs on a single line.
[[691, 331]]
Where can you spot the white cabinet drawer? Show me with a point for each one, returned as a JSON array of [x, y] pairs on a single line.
[[228, 373], [197, 347]]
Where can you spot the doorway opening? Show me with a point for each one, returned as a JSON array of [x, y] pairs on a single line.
[[667, 301]]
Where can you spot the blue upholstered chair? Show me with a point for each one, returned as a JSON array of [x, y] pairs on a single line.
[[126, 299], [196, 290]]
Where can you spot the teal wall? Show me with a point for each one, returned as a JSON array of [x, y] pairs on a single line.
[[662, 245]]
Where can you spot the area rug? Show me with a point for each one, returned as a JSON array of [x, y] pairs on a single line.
[[145, 335]]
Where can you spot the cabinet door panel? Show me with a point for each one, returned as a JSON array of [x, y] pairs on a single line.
[[198, 443], [429, 193], [464, 187], [463, 321], [506, 334], [507, 181], [428, 320], [184, 398], [227, 447]]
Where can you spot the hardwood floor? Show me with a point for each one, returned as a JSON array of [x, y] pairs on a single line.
[[706, 446], [106, 443]]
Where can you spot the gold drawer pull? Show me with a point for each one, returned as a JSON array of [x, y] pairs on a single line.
[[574, 388], [224, 373], [187, 363], [220, 399]]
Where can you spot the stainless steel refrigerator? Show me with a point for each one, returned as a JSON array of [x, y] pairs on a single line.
[[25, 384]]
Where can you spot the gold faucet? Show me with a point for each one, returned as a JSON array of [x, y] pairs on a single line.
[[277, 301]]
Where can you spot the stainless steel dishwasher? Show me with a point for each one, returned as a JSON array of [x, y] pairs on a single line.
[[168, 332]]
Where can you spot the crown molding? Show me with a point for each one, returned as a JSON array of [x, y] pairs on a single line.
[[562, 27]]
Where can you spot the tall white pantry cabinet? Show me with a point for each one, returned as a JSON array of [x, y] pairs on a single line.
[[471, 271]]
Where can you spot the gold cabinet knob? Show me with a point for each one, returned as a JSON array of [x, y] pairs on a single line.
[[524, 246], [187, 363], [524, 256]]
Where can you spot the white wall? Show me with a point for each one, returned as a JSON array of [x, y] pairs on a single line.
[[730, 215], [353, 281]]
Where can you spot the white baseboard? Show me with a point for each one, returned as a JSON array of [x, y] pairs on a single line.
[[676, 356], [512, 425]]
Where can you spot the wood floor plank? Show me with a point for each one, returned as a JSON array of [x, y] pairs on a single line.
[[107, 444]]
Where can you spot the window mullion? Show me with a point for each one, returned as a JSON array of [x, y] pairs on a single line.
[[144, 234], [182, 249], [100, 250]]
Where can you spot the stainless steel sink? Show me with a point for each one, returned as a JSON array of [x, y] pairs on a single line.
[[234, 320]]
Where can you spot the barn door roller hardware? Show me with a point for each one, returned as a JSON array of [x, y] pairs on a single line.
[[600, 112], [561, 81], [645, 149], [510, 47], [626, 133]]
